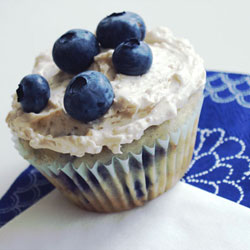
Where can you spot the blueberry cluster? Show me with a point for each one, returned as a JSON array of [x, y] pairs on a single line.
[[89, 94]]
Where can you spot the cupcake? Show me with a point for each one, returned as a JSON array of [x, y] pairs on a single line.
[[111, 120]]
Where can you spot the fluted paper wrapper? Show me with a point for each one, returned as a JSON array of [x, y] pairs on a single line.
[[124, 184]]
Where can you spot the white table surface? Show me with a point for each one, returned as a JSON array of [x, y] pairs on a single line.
[[185, 218], [219, 30]]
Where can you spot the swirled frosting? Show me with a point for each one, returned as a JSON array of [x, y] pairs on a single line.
[[176, 74]]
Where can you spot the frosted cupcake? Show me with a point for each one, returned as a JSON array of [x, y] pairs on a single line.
[[139, 145]]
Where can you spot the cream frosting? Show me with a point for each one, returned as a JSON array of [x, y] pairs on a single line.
[[140, 102]]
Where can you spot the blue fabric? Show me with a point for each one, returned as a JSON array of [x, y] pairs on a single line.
[[29, 187], [221, 160]]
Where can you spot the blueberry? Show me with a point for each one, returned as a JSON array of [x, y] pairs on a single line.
[[88, 96], [138, 189], [74, 51], [118, 27], [33, 93], [132, 57]]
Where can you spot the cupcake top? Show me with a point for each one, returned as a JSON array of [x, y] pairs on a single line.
[[140, 102]]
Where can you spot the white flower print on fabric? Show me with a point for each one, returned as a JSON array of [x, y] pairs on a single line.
[[223, 155]]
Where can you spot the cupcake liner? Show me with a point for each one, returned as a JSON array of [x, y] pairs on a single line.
[[124, 184]]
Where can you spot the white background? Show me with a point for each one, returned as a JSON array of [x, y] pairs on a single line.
[[219, 30]]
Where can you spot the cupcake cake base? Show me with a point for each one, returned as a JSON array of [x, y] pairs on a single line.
[[107, 182]]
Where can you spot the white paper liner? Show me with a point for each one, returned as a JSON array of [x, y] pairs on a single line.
[[129, 183]]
